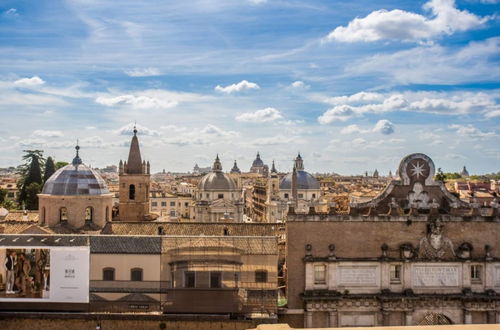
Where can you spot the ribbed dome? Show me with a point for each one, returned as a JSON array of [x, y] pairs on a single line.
[[304, 181], [217, 181], [258, 162], [75, 179]]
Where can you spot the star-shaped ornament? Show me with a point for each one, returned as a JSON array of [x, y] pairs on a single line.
[[417, 170]]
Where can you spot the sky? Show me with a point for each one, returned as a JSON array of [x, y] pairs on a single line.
[[353, 86]]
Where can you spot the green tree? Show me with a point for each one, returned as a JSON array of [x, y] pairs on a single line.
[[3, 194], [31, 172], [61, 164], [32, 191], [50, 168]]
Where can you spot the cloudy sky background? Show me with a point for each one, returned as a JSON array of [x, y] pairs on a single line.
[[352, 85]]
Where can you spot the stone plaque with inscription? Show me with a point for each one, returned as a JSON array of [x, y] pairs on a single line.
[[436, 276], [357, 276]]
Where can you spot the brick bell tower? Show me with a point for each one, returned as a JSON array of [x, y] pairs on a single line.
[[134, 177]]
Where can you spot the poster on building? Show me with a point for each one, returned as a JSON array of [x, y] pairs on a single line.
[[52, 274]]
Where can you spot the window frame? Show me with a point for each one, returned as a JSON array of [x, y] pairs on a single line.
[[185, 282], [137, 270], [395, 273], [263, 273], [219, 280], [316, 280], [476, 274], [108, 269]]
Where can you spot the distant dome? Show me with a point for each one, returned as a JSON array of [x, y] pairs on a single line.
[[217, 181], [258, 162], [75, 179], [304, 181]]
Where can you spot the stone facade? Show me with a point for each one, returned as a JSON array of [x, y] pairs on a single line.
[[415, 254]]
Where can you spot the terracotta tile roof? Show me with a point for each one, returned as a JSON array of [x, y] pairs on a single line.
[[125, 244], [44, 240], [191, 228], [32, 216], [246, 245]]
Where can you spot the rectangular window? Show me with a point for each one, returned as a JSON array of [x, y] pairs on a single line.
[[189, 280], [319, 274], [395, 273], [476, 273], [215, 279], [164, 204], [260, 276], [154, 204], [301, 195], [219, 196], [186, 204], [172, 203], [286, 195]]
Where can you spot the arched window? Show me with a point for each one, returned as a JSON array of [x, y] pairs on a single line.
[[43, 216], [63, 214], [261, 276], [107, 213], [108, 274], [136, 274], [89, 213], [131, 192]]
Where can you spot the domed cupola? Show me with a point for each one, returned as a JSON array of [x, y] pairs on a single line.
[[75, 195], [305, 181], [75, 179], [217, 180]]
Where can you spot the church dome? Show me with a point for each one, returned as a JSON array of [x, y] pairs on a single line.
[[75, 179], [217, 180], [258, 162], [304, 181]]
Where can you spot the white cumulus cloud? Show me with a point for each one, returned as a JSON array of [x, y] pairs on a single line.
[[351, 129], [260, 116], [241, 86], [384, 126], [137, 101], [443, 19], [29, 82], [472, 132]]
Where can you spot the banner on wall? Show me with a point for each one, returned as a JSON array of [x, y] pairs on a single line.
[[51, 274]]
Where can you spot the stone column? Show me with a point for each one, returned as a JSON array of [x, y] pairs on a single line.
[[333, 319], [385, 318], [467, 317], [408, 318], [491, 317], [308, 319]]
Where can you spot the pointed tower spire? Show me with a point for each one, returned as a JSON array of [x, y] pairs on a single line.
[[235, 168], [273, 168], [217, 167], [77, 160], [134, 163], [299, 163]]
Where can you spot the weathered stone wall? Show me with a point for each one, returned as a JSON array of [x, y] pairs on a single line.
[[363, 239]]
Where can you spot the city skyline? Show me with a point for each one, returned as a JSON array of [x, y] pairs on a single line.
[[352, 86]]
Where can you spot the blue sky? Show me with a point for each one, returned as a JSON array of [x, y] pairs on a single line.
[[352, 85]]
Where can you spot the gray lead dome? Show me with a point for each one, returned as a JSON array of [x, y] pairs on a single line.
[[217, 181], [75, 179], [304, 181]]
